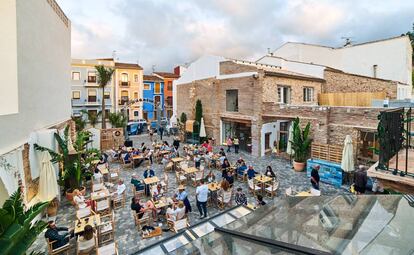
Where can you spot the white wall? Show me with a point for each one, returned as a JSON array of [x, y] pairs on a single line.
[[293, 66], [392, 56], [273, 128], [8, 55], [43, 69]]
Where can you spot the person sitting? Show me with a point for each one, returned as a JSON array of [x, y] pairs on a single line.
[[120, 189], [230, 177], [86, 240], [259, 201], [179, 212], [197, 160], [240, 197], [80, 200], [211, 177], [221, 152], [239, 162], [210, 147], [169, 214], [137, 206], [251, 173], [148, 155], [143, 148], [97, 175], [225, 186], [269, 172], [241, 170], [59, 234], [225, 167], [157, 192], [149, 172], [102, 163], [150, 206], [127, 158], [137, 183], [165, 146]]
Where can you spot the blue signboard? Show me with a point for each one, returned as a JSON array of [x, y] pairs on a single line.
[[329, 172]]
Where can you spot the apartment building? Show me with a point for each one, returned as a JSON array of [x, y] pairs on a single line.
[[168, 78], [86, 92], [35, 91], [129, 86], [153, 95]]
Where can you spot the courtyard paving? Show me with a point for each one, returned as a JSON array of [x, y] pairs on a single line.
[[126, 233]]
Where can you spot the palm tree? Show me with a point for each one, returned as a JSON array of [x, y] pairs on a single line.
[[104, 76], [92, 116]]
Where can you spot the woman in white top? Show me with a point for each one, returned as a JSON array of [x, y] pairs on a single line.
[[86, 242], [79, 200], [179, 212]]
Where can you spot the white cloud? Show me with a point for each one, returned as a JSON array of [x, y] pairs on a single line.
[[166, 33]]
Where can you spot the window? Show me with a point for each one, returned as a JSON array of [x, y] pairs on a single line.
[[124, 77], [124, 96], [92, 95], [107, 111], [157, 100], [169, 101], [374, 70], [107, 95], [76, 94], [76, 76], [157, 88], [307, 94], [135, 77], [169, 86], [136, 113], [135, 95], [232, 100], [91, 76], [147, 86], [283, 93]]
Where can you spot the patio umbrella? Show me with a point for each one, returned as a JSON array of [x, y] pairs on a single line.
[[289, 149], [48, 187], [70, 145], [347, 163], [202, 129]]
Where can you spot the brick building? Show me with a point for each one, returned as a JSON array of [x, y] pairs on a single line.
[[257, 102]]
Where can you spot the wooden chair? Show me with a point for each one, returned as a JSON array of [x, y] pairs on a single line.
[[85, 248], [127, 164], [180, 177], [106, 230], [271, 188], [103, 206], [198, 176], [62, 249], [145, 220], [169, 166], [97, 187], [114, 175], [84, 212], [164, 182], [108, 249], [137, 192], [253, 188], [119, 200], [224, 199], [177, 225]]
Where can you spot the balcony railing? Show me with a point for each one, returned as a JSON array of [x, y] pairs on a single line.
[[92, 79], [123, 101], [124, 83]]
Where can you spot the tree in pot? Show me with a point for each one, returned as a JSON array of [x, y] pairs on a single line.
[[18, 230], [300, 144], [76, 164]]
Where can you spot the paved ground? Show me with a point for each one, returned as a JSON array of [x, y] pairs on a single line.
[[129, 241]]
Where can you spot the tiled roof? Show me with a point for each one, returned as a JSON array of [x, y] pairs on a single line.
[[167, 75], [128, 66], [152, 78]]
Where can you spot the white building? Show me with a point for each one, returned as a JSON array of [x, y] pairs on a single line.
[[388, 59], [35, 85]]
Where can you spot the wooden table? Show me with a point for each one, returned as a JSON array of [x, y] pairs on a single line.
[[164, 152], [175, 161], [214, 186], [100, 194], [190, 170], [151, 180], [263, 179], [303, 194], [163, 202], [94, 162], [80, 224], [104, 171]]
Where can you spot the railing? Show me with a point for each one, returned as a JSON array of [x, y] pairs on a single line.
[[92, 79], [124, 83], [123, 101], [332, 153]]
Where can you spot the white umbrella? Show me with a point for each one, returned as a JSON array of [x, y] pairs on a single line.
[[48, 187], [289, 149], [70, 145], [347, 163], [202, 129]]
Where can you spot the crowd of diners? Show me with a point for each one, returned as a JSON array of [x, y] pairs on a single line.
[[151, 197]]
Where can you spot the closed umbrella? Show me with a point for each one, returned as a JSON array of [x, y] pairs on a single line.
[[70, 145], [289, 149], [48, 187], [202, 129], [347, 163]]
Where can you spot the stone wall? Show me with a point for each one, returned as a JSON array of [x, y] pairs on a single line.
[[229, 67], [340, 82]]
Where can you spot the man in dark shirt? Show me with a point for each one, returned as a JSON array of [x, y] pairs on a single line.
[[315, 177], [360, 180], [52, 233], [137, 207]]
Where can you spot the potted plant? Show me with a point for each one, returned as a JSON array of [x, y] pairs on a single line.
[[74, 162], [300, 145]]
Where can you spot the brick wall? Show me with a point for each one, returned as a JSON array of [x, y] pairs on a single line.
[[340, 82], [229, 67]]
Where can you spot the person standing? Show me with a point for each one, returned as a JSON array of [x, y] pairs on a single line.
[[236, 145], [229, 144], [202, 195], [182, 195], [315, 177], [151, 134], [240, 197], [176, 143], [161, 130], [360, 180]]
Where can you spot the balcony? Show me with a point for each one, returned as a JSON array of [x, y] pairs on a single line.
[[124, 83], [122, 101], [92, 103]]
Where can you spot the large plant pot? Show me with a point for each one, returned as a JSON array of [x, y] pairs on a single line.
[[52, 208], [69, 194], [298, 166], [82, 190]]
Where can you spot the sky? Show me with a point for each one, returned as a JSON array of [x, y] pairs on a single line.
[[161, 34]]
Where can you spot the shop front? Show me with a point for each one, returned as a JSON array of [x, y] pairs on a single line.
[[237, 128]]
